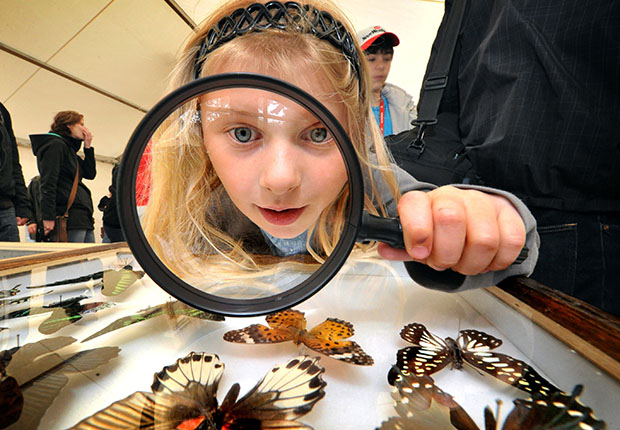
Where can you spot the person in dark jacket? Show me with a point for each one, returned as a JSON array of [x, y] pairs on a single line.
[[15, 209], [536, 90], [57, 161], [111, 225]]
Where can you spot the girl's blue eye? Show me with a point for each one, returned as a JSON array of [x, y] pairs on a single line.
[[243, 134], [319, 135]]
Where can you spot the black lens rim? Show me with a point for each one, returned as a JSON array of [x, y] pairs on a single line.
[[159, 272]]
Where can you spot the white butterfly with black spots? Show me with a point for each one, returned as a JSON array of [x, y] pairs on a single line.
[[421, 405], [431, 353]]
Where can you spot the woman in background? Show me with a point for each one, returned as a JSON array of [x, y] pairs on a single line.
[[58, 162]]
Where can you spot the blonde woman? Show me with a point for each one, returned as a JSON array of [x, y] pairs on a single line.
[[238, 190]]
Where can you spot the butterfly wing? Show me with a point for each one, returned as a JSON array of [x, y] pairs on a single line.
[[181, 309], [326, 339], [421, 405], [133, 412], [184, 392], [475, 348], [288, 318], [283, 326], [60, 317], [429, 355], [474, 340], [286, 393], [333, 329], [144, 411], [143, 315], [560, 411], [47, 375], [117, 281], [196, 376], [258, 333]]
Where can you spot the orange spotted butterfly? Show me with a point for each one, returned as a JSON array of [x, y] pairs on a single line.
[[290, 325], [420, 404], [184, 397], [430, 354]]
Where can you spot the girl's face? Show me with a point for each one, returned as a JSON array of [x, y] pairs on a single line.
[[278, 163], [77, 130]]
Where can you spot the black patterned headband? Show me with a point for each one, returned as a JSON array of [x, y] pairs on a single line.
[[283, 16]]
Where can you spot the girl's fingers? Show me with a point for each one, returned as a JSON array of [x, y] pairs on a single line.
[[414, 210], [465, 230], [512, 235], [450, 224], [483, 234], [389, 253]]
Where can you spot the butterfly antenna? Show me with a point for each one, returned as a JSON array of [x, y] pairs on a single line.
[[498, 410]]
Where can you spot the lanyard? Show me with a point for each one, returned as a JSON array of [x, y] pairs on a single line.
[[381, 115]]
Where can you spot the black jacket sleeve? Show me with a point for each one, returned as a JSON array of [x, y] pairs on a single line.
[[21, 201], [88, 166]]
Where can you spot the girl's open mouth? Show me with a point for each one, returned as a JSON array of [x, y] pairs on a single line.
[[283, 217]]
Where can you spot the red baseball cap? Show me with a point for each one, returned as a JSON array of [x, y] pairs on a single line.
[[368, 35]]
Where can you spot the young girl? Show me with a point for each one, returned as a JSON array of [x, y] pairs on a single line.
[[239, 187]]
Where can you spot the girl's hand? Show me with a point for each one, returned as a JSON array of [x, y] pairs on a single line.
[[468, 231]]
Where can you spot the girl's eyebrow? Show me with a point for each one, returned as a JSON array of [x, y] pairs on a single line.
[[265, 114]]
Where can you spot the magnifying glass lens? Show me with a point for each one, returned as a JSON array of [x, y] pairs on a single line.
[[242, 195]]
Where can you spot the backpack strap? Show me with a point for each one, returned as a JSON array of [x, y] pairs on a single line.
[[436, 78]]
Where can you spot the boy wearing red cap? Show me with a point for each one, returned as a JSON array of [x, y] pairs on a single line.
[[393, 107]]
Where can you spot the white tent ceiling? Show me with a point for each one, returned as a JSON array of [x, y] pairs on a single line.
[[109, 59]]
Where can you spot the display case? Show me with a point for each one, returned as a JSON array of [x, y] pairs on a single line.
[[98, 329]]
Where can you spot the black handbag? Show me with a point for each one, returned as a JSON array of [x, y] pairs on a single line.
[[432, 151]]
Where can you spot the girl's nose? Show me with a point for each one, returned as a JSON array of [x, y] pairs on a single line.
[[281, 168]]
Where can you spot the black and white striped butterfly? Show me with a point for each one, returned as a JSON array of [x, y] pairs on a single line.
[[421, 405], [184, 397], [430, 354]]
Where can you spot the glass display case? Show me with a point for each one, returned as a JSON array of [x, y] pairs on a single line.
[[84, 328]]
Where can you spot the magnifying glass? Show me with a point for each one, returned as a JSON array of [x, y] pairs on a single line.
[[242, 195]]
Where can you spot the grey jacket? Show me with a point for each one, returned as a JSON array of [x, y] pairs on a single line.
[[401, 105]]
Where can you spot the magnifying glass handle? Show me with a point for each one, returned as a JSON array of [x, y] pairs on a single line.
[[389, 230], [386, 230]]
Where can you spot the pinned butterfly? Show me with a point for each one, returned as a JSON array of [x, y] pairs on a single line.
[[421, 405], [184, 397], [171, 309], [290, 325], [33, 375], [430, 354]]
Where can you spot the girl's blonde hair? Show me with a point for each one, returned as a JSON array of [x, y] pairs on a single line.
[[186, 193]]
